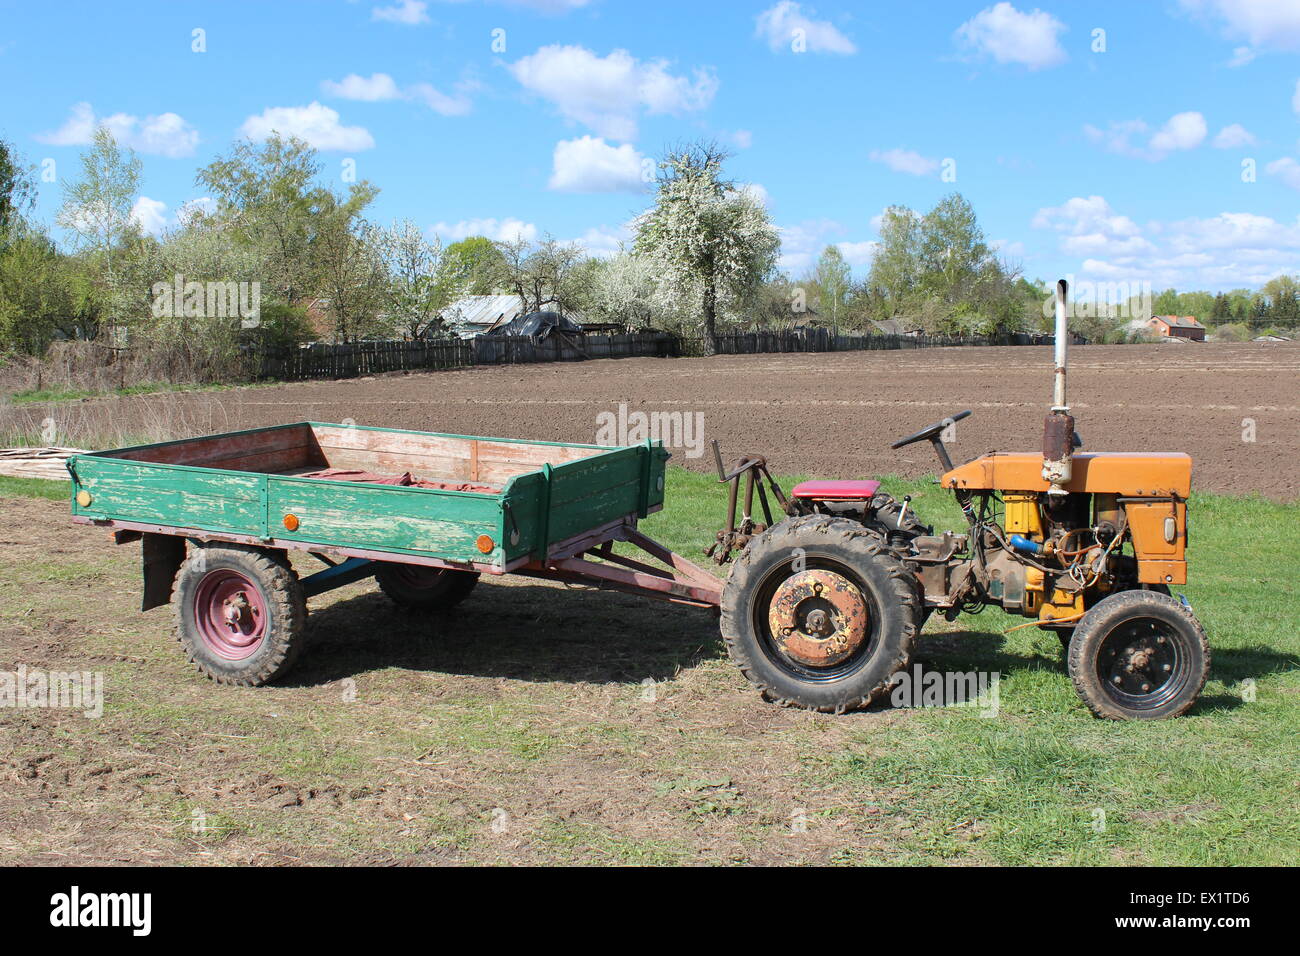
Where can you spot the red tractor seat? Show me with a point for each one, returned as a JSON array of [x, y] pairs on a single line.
[[836, 490]]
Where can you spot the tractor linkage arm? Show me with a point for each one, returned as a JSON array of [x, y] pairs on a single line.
[[734, 537]]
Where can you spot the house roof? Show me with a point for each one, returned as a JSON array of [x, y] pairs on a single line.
[[471, 314], [1179, 321]]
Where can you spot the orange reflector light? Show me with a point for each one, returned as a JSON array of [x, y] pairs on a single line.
[[485, 544], [291, 522]]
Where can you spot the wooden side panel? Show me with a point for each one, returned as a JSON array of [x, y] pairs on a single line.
[[171, 495], [385, 517], [261, 450]]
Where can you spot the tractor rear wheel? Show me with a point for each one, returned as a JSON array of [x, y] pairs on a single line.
[[425, 588], [819, 615], [1139, 655]]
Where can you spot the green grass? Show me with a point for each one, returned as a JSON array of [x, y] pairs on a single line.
[[1045, 782], [34, 396], [35, 488]]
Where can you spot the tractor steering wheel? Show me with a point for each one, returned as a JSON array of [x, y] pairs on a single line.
[[930, 432]]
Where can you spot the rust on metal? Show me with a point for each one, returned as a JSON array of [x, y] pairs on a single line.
[[818, 617]]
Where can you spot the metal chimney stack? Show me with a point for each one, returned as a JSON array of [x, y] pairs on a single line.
[[1058, 427]]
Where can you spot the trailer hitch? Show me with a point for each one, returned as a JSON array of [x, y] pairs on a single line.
[[735, 536]]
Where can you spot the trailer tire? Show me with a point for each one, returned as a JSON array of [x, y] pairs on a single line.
[[1139, 655], [241, 614], [848, 656], [425, 588]]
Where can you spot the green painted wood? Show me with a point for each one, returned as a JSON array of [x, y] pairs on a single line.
[[548, 505], [386, 517]]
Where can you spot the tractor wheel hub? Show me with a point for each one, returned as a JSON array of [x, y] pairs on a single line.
[[819, 618]]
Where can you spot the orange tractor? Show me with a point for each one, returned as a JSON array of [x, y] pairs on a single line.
[[822, 609]]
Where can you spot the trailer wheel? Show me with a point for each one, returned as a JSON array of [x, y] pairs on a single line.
[[425, 588], [1139, 655], [819, 615], [240, 614]]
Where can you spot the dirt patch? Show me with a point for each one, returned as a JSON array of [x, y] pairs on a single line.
[[830, 415], [534, 724]]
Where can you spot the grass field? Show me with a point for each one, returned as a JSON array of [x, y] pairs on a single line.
[[531, 707]]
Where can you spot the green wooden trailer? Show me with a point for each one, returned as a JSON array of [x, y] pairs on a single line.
[[425, 514]]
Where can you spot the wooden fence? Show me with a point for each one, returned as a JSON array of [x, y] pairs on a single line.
[[372, 358]]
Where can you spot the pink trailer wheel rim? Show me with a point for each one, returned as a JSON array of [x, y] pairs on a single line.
[[230, 614]]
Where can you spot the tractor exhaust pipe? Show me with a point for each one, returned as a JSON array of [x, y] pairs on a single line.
[[1058, 427]]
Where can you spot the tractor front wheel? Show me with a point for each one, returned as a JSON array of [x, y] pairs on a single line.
[[1139, 655], [819, 615]]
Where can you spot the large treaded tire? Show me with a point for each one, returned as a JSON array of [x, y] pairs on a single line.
[[281, 596], [889, 587], [1101, 629], [425, 588]]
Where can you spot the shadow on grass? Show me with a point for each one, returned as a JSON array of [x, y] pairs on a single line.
[[525, 632]]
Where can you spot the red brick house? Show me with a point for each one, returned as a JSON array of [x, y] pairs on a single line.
[[1178, 326]]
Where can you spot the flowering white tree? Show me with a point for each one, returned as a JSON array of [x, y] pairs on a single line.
[[710, 244], [625, 289], [415, 293]]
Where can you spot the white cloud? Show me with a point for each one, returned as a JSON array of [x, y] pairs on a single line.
[[591, 165], [501, 230], [150, 215], [906, 161], [371, 89], [1009, 36], [785, 27], [1241, 55], [1230, 137], [1285, 169], [1264, 23], [381, 86], [1224, 251], [166, 134], [409, 12], [607, 93], [1295, 97], [1181, 132], [604, 241], [315, 124], [858, 254], [742, 139], [445, 104]]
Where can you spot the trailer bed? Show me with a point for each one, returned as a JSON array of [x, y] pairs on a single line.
[[529, 501]]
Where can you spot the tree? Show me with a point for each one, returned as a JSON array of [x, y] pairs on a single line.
[[711, 243], [17, 193], [97, 212], [896, 268], [1283, 295], [416, 291], [268, 196], [349, 270], [43, 296], [833, 281], [540, 274], [471, 266], [623, 290]]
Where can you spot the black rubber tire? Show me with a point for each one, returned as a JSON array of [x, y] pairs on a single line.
[[887, 511], [449, 588], [1187, 642], [282, 594], [1066, 633], [895, 612]]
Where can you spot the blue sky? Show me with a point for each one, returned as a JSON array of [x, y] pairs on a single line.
[[535, 116]]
